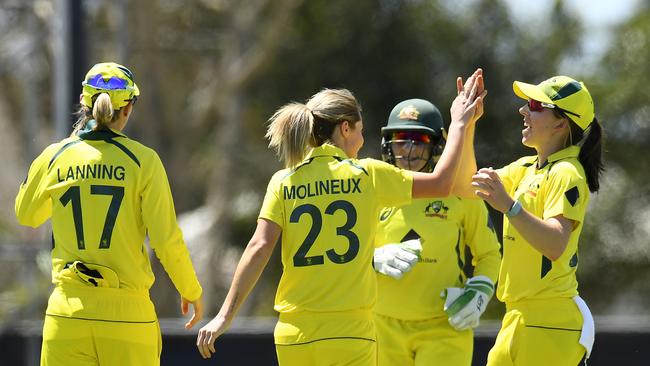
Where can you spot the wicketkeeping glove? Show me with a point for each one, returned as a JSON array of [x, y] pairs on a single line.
[[394, 260], [464, 306]]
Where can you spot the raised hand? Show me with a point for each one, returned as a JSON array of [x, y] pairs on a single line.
[[467, 108]]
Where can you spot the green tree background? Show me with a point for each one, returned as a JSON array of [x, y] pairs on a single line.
[[212, 72]]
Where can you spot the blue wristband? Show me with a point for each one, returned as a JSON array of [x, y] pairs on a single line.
[[514, 210]]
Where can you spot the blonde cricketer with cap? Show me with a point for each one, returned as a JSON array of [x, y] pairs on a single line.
[[437, 258], [104, 194], [544, 200]]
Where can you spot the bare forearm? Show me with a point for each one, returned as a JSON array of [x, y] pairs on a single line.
[[440, 183], [549, 237], [463, 187], [249, 269]]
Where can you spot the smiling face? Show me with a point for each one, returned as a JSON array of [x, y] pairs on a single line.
[[541, 128]]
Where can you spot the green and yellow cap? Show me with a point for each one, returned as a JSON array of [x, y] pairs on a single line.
[[568, 95], [113, 79]]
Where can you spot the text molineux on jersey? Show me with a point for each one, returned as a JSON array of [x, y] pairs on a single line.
[[88, 171], [323, 187]]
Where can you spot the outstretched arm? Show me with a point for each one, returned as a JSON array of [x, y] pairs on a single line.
[[250, 267], [441, 181], [463, 186]]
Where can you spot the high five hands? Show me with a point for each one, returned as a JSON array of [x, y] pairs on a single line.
[[467, 108]]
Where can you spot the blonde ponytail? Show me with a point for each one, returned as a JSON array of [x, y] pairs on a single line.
[[83, 114], [289, 133], [103, 110], [296, 127]]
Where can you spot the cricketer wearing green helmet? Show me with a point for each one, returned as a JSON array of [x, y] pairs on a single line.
[[414, 136], [442, 245]]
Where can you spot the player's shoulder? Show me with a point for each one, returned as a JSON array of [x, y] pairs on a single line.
[[281, 174], [374, 166], [567, 168], [54, 149], [139, 152], [370, 162], [525, 161], [136, 145]]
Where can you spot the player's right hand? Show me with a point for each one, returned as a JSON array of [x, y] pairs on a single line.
[[198, 310], [209, 334], [394, 260], [465, 306]]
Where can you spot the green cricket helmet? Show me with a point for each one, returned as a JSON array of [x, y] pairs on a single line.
[[414, 135]]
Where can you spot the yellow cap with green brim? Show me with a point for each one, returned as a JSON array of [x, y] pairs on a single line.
[[569, 95]]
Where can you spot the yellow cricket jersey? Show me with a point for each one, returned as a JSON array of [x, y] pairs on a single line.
[[458, 241], [327, 207], [104, 193], [557, 188]]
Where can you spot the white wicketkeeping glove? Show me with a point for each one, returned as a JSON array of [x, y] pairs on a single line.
[[394, 260], [464, 306]]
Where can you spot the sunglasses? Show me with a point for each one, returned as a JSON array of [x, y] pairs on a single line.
[[411, 135], [537, 106]]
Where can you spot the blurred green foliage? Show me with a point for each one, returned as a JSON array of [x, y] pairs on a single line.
[[195, 60]]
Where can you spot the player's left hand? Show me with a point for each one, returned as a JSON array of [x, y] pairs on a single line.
[[209, 334], [465, 306]]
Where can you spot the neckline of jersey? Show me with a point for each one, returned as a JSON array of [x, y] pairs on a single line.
[[568, 152]]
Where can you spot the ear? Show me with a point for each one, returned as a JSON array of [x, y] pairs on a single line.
[[345, 128], [563, 123], [81, 98], [126, 109]]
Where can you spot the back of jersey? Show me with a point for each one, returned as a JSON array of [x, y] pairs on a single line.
[[103, 192], [95, 184], [327, 207]]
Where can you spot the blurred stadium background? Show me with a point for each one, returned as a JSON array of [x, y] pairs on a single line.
[[212, 71]]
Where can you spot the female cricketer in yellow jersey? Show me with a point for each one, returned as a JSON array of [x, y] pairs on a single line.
[[324, 206], [104, 193], [544, 198], [415, 326]]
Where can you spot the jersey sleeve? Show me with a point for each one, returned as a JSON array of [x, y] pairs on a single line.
[[272, 205], [33, 204], [393, 186], [165, 236], [565, 193], [481, 239]]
